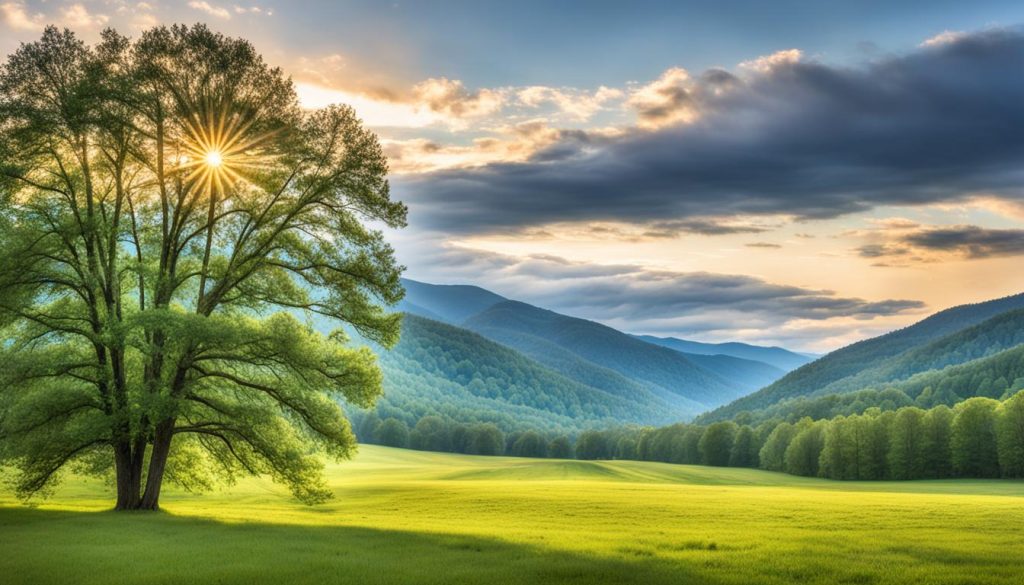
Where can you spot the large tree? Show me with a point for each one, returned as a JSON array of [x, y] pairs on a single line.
[[172, 225]]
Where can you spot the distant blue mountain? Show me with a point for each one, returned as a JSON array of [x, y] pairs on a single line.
[[781, 358], [451, 303], [599, 356]]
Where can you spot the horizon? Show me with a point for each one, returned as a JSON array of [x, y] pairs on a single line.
[[699, 180], [811, 354]]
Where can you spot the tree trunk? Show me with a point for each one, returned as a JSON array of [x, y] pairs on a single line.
[[128, 462], [157, 464], [127, 497]]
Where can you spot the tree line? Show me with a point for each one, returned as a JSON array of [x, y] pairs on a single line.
[[434, 433], [977, 438]]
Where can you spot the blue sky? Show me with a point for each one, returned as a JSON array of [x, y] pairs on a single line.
[[795, 173], [592, 43]]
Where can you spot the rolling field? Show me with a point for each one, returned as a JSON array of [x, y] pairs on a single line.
[[411, 517]]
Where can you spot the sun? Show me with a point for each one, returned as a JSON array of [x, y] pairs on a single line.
[[220, 147], [214, 158]]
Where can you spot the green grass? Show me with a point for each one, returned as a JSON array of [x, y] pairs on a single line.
[[410, 517]]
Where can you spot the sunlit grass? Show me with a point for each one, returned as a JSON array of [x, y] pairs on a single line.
[[403, 516]]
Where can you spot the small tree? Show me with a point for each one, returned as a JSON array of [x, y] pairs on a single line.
[[1010, 431], [593, 445], [907, 444], [487, 439], [973, 447], [716, 443], [530, 444], [803, 455], [938, 430], [171, 223], [392, 432], [744, 448], [772, 454], [431, 433], [560, 448]]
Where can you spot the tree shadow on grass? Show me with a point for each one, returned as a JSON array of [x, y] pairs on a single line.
[[87, 548]]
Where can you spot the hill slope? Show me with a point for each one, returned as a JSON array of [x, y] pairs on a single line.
[[778, 357], [659, 368], [952, 336], [746, 375], [997, 376], [451, 303], [446, 370]]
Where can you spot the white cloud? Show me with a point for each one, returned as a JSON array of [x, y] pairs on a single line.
[[581, 105], [766, 63], [17, 17], [665, 101], [450, 96], [374, 112], [943, 38], [250, 10], [78, 16], [218, 11]]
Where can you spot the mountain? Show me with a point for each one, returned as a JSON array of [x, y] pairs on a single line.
[[445, 370], [781, 358], [740, 375], [997, 376], [991, 336], [747, 375], [667, 372], [451, 303], [950, 337]]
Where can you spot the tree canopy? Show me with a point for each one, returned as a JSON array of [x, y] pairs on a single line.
[[171, 220]]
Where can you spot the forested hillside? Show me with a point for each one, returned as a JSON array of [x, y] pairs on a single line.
[[656, 367], [439, 369], [743, 374], [899, 353], [1001, 332], [744, 368]]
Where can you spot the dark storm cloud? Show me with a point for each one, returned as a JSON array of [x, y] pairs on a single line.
[[971, 241], [804, 139], [703, 227]]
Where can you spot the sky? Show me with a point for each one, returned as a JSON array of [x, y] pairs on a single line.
[[793, 173]]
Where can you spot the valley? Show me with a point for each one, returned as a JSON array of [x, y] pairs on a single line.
[[463, 519]]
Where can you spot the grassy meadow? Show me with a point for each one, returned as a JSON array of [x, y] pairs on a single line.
[[412, 517]]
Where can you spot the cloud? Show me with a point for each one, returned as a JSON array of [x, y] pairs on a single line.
[[704, 227], [78, 16], [666, 100], [452, 98], [802, 139], [578, 104], [767, 63], [640, 299], [762, 245], [251, 10], [944, 38], [515, 142], [934, 243], [212, 10], [970, 241], [16, 16]]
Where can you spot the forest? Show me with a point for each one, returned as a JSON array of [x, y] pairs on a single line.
[[977, 438]]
